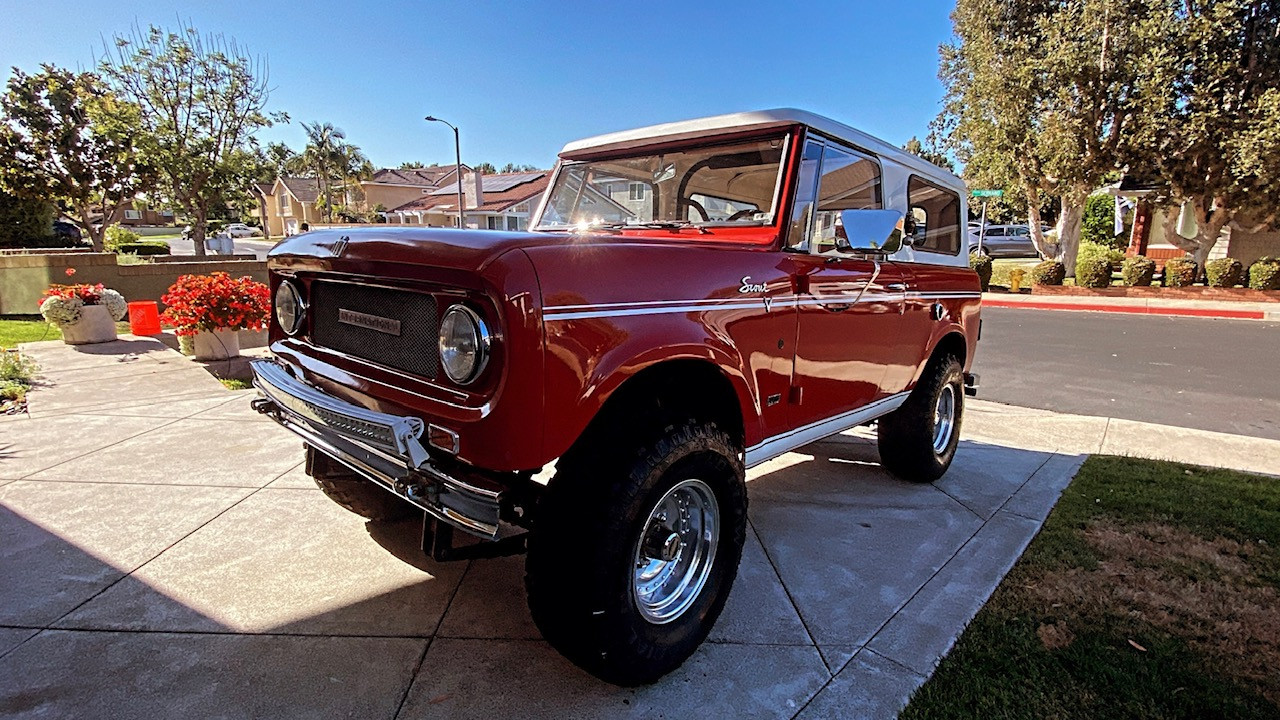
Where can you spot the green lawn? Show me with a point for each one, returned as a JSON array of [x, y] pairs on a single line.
[[1153, 591], [13, 332]]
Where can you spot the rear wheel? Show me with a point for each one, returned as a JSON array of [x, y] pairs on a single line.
[[632, 557], [918, 440]]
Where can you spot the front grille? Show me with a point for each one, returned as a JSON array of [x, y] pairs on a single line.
[[369, 317]]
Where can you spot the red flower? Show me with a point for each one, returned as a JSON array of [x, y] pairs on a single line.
[[71, 271], [210, 302]]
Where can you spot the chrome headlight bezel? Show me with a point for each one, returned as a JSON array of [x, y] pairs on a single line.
[[480, 336], [300, 307]]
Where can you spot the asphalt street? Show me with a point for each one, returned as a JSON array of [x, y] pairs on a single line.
[[1210, 374], [243, 246]]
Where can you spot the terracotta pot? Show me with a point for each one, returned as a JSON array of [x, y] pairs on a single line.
[[94, 326], [217, 345]]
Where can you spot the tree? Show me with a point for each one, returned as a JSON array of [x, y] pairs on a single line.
[[416, 166], [202, 98], [26, 221], [67, 138], [915, 147], [513, 168], [353, 167], [281, 159], [1216, 132], [486, 168], [1041, 97], [322, 157]]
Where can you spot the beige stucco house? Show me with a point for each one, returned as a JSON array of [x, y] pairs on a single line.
[[289, 203]]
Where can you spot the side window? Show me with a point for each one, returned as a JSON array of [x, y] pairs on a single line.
[[806, 192], [848, 182], [940, 209]]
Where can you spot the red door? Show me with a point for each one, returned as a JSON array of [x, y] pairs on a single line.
[[848, 335]]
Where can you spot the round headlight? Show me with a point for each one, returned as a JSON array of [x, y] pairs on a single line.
[[289, 308], [464, 344]]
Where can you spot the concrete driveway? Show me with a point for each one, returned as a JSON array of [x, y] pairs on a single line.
[[164, 555]]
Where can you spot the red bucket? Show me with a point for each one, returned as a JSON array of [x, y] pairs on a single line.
[[144, 318]]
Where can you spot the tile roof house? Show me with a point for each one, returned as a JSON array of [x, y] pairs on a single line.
[[503, 201], [391, 187]]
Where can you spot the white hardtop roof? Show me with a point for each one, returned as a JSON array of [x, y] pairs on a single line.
[[778, 117]]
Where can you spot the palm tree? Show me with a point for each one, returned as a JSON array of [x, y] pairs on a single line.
[[323, 157], [354, 167]]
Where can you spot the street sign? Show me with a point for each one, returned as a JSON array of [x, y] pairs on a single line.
[[988, 193]]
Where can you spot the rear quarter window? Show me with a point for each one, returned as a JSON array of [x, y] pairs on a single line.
[[938, 210]]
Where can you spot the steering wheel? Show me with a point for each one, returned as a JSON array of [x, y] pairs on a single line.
[[741, 214], [694, 204]]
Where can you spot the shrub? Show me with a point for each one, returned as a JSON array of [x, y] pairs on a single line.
[[216, 301], [1224, 272], [1098, 226], [1138, 271], [1264, 274], [1091, 251], [1093, 272], [115, 236], [981, 264], [16, 368], [1049, 272], [1179, 272], [146, 247]]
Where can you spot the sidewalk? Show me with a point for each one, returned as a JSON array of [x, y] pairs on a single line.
[[1141, 306], [166, 556]]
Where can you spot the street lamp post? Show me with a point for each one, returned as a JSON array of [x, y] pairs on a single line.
[[457, 151]]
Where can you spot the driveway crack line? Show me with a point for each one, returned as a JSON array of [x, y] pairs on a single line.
[[795, 607], [413, 677]]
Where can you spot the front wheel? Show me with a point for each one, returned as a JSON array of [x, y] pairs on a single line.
[[918, 440], [631, 560]]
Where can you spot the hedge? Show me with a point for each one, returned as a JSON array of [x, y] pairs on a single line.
[[981, 264], [154, 247], [1049, 272], [1224, 272], [1264, 274], [1179, 272], [1094, 272], [1138, 271]]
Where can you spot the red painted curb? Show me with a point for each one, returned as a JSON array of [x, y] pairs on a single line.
[[1131, 309]]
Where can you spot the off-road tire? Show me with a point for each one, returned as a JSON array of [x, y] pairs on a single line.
[[355, 493], [906, 435], [581, 559]]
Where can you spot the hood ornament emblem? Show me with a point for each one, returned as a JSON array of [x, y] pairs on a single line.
[[340, 246]]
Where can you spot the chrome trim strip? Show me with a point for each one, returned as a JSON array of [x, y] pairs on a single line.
[[614, 310], [942, 294], [801, 436]]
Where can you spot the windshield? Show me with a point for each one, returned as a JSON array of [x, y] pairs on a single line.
[[729, 184]]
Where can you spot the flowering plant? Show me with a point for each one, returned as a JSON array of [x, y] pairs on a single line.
[[217, 301], [62, 304]]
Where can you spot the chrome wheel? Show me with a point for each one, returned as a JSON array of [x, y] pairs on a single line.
[[944, 418], [675, 551]]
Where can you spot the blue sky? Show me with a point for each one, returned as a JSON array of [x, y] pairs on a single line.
[[522, 79]]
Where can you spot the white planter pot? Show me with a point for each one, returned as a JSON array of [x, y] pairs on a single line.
[[94, 326], [217, 345]]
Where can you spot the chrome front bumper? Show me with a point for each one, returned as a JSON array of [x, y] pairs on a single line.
[[384, 448]]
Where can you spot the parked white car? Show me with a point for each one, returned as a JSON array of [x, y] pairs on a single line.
[[240, 230]]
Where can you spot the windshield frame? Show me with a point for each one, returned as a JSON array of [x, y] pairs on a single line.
[[667, 227]]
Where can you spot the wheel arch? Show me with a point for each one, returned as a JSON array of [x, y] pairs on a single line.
[[665, 392]]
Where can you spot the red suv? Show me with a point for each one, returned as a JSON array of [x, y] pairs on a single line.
[[691, 300]]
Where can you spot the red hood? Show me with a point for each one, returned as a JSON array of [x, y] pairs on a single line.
[[448, 248]]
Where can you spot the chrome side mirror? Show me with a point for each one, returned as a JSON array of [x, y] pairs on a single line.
[[870, 231]]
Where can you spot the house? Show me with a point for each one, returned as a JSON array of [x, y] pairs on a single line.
[[392, 187], [495, 202], [136, 213], [288, 203], [1242, 239]]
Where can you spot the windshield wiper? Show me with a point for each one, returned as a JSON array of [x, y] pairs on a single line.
[[669, 225]]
